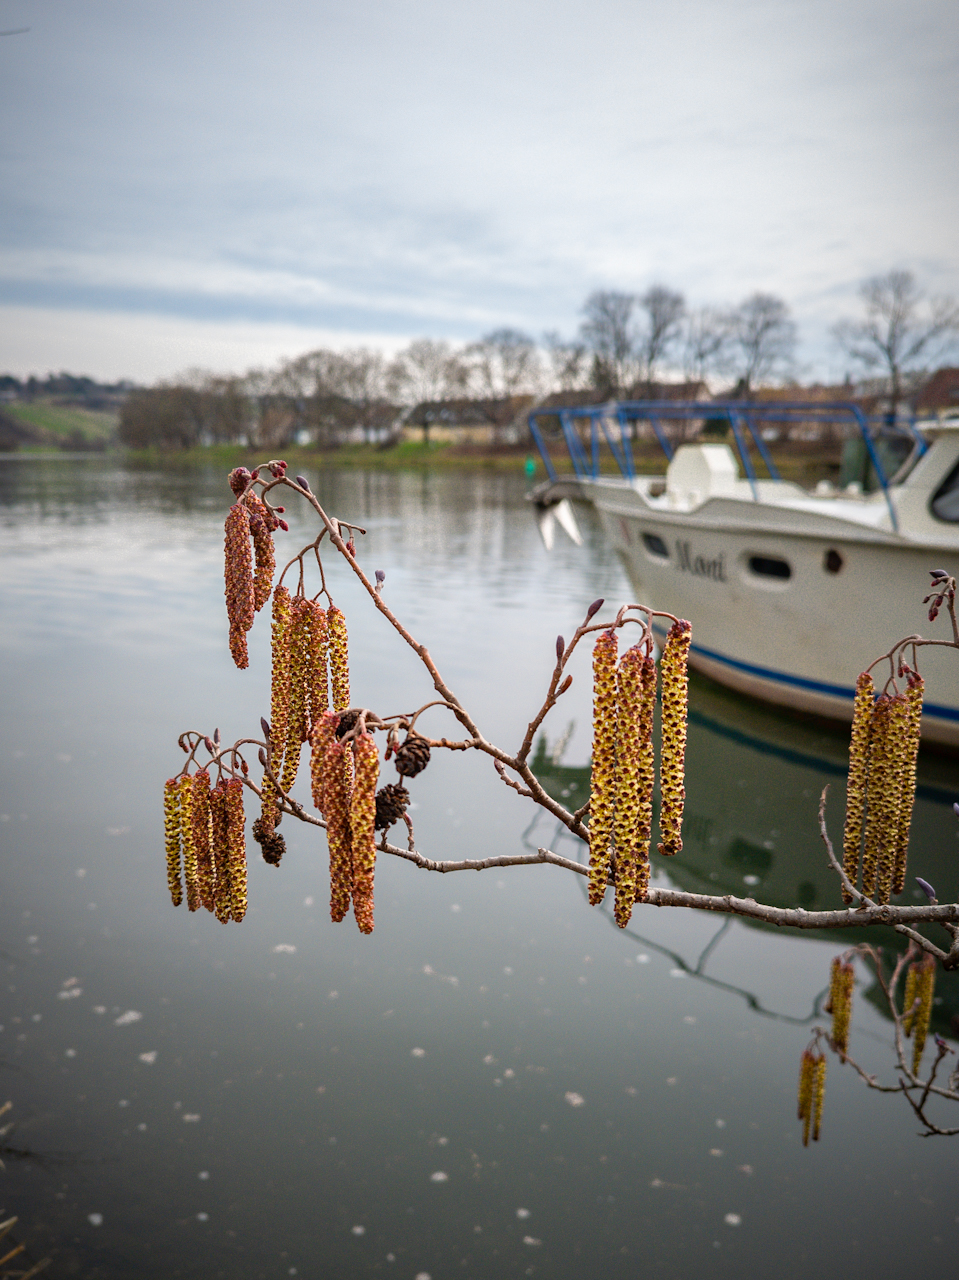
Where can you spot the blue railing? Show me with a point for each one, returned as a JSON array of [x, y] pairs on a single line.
[[612, 424]]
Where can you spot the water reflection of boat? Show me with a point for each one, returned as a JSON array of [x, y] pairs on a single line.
[[791, 593]]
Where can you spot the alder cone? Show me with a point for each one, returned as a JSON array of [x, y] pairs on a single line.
[[412, 755], [391, 803], [273, 845]]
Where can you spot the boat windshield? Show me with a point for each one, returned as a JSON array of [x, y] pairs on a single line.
[[945, 502]]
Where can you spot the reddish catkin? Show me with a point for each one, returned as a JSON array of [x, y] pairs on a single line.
[[647, 779], [603, 773], [337, 793], [318, 697], [262, 524], [222, 904], [626, 781], [324, 731], [856, 781], [339, 658], [907, 799], [925, 988], [236, 848], [189, 844], [897, 748], [675, 698], [877, 788], [362, 822], [840, 1001], [238, 574], [299, 662], [171, 832], [279, 701], [201, 823]]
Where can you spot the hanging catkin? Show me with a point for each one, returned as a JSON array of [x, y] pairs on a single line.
[[339, 658], [222, 903], [647, 778], [200, 821], [603, 772], [318, 698], [337, 789], [675, 698], [909, 999], [279, 703], [818, 1094], [842, 979], [911, 751], [171, 832], [877, 786], [897, 747], [626, 780], [238, 574], [262, 524], [189, 845], [362, 821], [236, 848], [858, 776], [925, 987], [807, 1076], [324, 731], [296, 728]]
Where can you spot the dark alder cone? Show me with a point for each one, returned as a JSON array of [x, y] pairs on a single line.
[[273, 845], [412, 755], [348, 721], [391, 803], [239, 478]]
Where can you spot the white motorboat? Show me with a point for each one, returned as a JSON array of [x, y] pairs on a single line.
[[791, 594]]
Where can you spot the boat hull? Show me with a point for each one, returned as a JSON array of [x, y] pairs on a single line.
[[799, 640]]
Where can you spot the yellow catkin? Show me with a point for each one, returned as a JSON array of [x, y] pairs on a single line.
[[337, 793], [603, 772], [296, 730], [171, 832], [626, 782], [876, 795], [909, 999], [925, 988], [222, 904], [339, 658], [262, 524], [279, 699], [201, 821], [238, 576], [675, 697], [897, 747], [807, 1072], [647, 779], [362, 820], [818, 1094], [908, 796], [318, 690], [323, 733], [236, 848], [840, 1000], [189, 844], [858, 774]]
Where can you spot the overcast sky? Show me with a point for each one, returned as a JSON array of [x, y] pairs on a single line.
[[221, 184]]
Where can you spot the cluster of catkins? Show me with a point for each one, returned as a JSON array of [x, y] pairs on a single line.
[[203, 826], [812, 1089], [917, 1005], [882, 786], [248, 568], [623, 771]]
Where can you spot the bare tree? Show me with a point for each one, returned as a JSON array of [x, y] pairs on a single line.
[[901, 332], [427, 370], [505, 362], [566, 360], [609, 333], [763, 339], [705, 344], [664, 309]]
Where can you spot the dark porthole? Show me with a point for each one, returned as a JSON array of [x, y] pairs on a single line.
[[832, 561], [769, 567], [655, 545]]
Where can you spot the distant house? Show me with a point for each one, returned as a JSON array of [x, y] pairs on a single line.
[[468, 421], [939, 397]]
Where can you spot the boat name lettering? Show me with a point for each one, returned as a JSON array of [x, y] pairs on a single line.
[[700, 566]]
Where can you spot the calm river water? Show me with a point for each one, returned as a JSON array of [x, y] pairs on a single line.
[[498, 1082]]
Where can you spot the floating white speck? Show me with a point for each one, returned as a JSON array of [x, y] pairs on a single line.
[[359, 1231], [99, 1008], [423, 1275], [70, 994], [148, 1058], [334, 995], [70, 1053], [522, 1213], [142, 1128], [715, 1151], [123, 1103], [671, 1080], [509, 1073], [307, 902], [575, 1099], [677, 973], [190, 1118], [442, 1141], [720, 1124], [531, 1240], [642, 958], [203, 1217], [125, 1019], [284, 947], [507, 971], [418, 1053], [70, 982], [732, 1220], [747, 1169], [750, 880], [690, 1019], [81, 872], [455, 907], [203, 1175], [117, 831], [489, 1059], [95, 1219], [439, 1176]]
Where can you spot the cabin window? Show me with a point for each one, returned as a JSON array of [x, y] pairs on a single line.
[[945, 501], [769, 567], [655, 545], [832, 561]]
